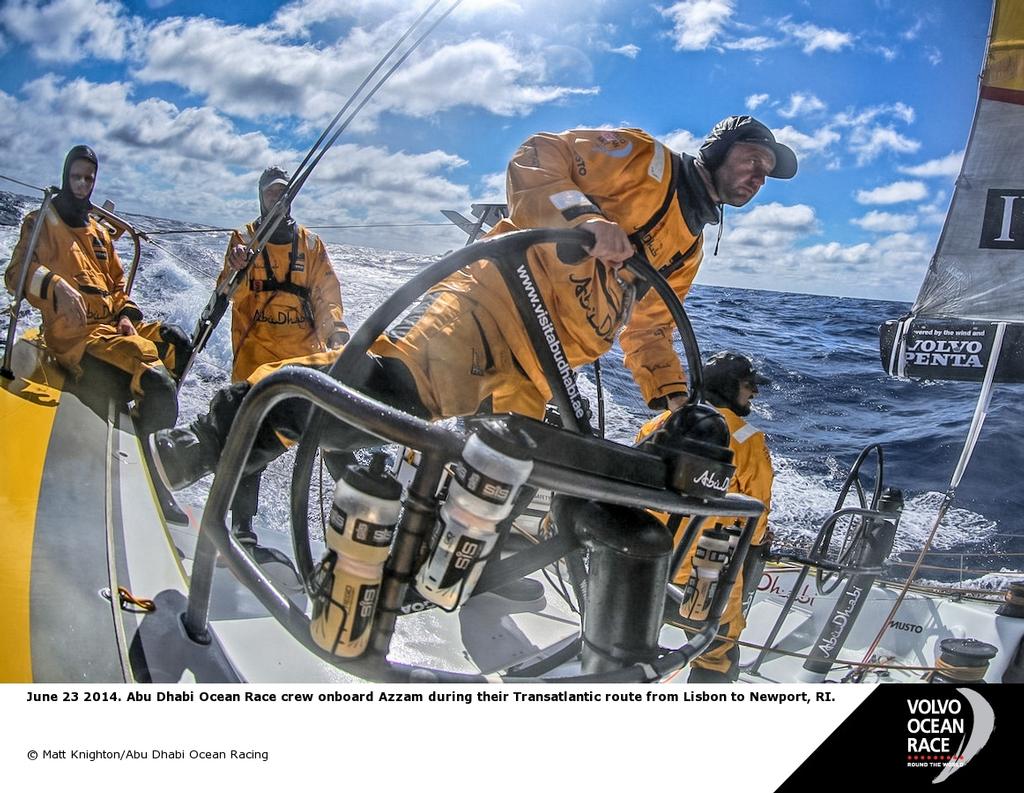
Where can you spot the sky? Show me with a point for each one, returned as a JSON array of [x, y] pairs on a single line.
[[186, 101]]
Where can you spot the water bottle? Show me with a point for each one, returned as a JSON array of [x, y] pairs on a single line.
[[367, 502], [485, 483], [711, 555]]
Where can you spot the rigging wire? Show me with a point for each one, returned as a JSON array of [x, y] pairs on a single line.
[[311, 227], [194, 268], [23, 184]]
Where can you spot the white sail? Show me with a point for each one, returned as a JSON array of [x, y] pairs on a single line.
[[970, 309], [978, 269]]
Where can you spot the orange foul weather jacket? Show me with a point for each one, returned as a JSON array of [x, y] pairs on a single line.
[[288, 305], [754, 477], [85, 258], [562, 180]]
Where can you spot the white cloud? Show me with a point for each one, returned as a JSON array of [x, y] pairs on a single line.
[[682, 140], [754, 101], [193, 163], [868, 115], [885, 221], [814, 38], [696, 23], [934, 55], [894, 193], [834, 252], [943, 166], [769, 229], [805, 145], [869, 142], [934, 212], [752, 44], [794, 217], [68, 31], [492, 188], [889, 53], [629, 50], [250, 73], [914, 30], [801, 104]]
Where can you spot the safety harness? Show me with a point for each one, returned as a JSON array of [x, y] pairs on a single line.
[[272, 284]]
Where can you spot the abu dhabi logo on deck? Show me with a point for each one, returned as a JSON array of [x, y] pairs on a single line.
[[946, 730]]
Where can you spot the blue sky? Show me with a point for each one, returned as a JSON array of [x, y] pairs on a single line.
[[187, 101]]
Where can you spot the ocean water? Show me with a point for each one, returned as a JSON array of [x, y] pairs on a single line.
[[828, 399]]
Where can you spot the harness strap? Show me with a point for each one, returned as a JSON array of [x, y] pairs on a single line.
[[272, 284]]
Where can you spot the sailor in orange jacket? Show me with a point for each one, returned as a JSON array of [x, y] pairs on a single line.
[[288, 306], [461, 353], [76, 280], [632, 193], [730, 384]]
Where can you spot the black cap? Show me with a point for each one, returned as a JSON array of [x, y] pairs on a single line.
[[745, 129], [728, 368]]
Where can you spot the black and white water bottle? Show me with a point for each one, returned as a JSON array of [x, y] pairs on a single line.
[[711, 555], [367, 503], [485, 483]]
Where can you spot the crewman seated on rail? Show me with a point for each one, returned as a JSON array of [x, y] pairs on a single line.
[[76, 280]]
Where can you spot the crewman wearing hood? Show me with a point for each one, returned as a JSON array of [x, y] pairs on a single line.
[[76, 280], [730, 383], [287, 306], [459, 352]]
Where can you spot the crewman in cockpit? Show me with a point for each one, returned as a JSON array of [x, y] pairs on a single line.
[[288, 305], [76, 280], [730, 384]]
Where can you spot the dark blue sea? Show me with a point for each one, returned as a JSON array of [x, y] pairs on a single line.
[[829, 398]]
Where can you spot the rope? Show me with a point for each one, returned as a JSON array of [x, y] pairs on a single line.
[[126, 599], [965, 674]]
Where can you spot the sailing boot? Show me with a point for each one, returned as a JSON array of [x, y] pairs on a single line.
[[157, 409], [179, 457], [178, 340], [172, 511], [184, 455], [241, 527]]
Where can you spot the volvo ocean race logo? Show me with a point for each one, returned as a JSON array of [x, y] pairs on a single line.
[[945, 732], [1003, 224]]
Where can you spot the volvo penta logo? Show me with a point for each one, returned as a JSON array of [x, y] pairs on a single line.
[[946, 731]]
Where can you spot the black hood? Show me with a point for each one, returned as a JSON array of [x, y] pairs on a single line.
[[693, 196], [74, 211], [745, 129], [285, 230]]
